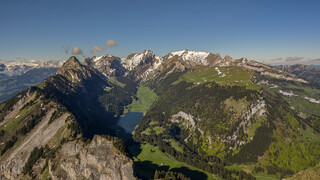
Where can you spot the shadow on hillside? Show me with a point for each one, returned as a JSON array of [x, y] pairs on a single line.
[[147, 169], [193, 174]]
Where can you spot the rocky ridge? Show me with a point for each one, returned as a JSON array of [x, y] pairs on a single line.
[[146, 66], [97, 160]]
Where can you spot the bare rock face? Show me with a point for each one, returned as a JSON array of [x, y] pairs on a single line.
[[12, 167], [97, 160], [76, 72], [228, 58], [108, 65]]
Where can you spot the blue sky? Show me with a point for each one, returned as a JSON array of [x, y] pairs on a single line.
[[269, 31]]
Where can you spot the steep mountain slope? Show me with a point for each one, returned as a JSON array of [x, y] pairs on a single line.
[[97, 160], [220, 112], [38, 126], [305, 71], [309, 174], [141, 65], [109, 65], [300, 93]]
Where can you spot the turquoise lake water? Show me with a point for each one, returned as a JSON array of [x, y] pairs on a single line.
[[130, 120]]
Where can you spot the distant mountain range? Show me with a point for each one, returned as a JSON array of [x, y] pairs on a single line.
[[205, 117], [309, 72], [316, 66], [18, 76]]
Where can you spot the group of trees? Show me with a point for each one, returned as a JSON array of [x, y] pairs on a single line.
[[118, 97], [9, 144], [7, 106], [118, 143], [34, 118], [211, 164], [313, 121], [205, 102], [36, 153], [74, 127], [169, 175]]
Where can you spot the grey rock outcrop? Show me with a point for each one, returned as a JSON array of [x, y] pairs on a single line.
[[97, 160]]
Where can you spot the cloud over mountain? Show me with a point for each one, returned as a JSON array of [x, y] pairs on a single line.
[[76, 51], [111, 43], [295, 58], [96, 48], [277, 59]]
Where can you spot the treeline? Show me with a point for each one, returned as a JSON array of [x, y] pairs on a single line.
[[74, 127], [314, 122], [9, 144], [207, 163], [204, 102], [118, 143], [118, 97], [34, 156], [34, 119], [162, 83], [169, 175], [38, 153], [7, 106]]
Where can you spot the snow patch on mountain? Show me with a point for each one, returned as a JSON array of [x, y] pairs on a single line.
[[219, 72], [131, 62], [287, 93], [312, 100], [192, 56]]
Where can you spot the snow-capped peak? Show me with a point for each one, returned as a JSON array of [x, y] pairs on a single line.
[[135, 59], [197, 57], [178, 53], [99, 57]]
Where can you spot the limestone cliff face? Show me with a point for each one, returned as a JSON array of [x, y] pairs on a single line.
[[97, 160], [108, 65], [76, 72]]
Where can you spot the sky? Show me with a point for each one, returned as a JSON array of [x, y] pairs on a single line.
[[270, 31]]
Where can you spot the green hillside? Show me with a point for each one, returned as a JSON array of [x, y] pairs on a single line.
[[203, 111]]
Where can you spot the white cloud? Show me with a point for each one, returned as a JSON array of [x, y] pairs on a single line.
[[277, 59], [111, 43], [295, 58], [96, 48], [76, 50]]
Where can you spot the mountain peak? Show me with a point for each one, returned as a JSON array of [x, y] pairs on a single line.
[[135, 59], [227, 58], [72, 62], [73, 70]]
